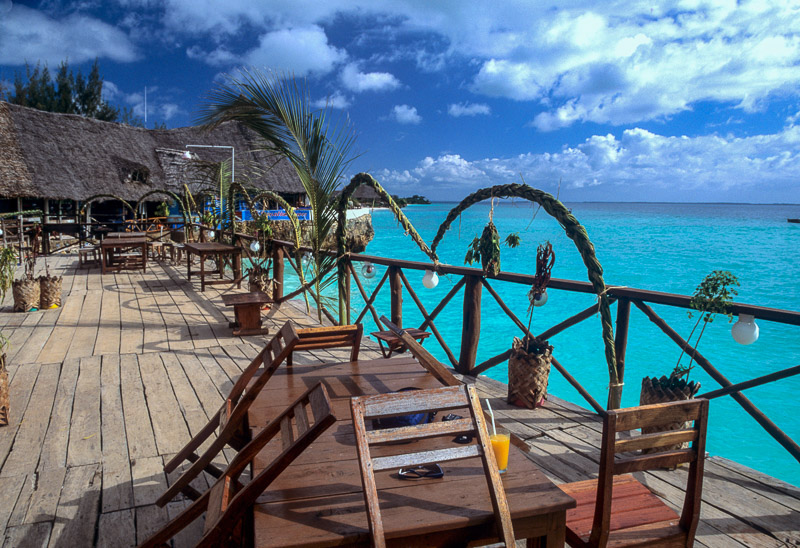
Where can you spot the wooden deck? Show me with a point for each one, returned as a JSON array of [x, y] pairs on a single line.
[[107, 388]]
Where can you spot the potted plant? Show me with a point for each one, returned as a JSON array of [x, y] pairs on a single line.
[[530, 359], [49, 290], [713, 296], [8, 263]]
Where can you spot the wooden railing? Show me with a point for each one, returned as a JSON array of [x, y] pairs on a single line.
[[474, 282]]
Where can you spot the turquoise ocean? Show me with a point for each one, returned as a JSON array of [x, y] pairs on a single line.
[[658, 246]]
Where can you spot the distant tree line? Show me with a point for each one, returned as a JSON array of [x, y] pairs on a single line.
[[68, 93]]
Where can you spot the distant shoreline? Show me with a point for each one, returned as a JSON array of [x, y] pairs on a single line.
[[653, 203]]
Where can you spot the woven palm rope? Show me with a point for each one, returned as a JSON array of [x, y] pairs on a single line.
[[528, 374], [50, 291], [26, 294], [341, 229], [184, 211], [576, 232]]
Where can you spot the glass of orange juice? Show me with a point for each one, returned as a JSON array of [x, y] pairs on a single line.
[[500, 443]]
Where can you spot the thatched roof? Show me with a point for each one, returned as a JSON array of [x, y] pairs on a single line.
[[48, 155]]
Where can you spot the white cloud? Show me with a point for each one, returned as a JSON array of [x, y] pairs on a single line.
[[405, 114], [218, 57], [338, 101], [468, 109], [355, 80], [30, 35], [636, 165], [301, 51]]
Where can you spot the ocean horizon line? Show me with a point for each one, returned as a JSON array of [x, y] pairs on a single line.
[[640, 202]]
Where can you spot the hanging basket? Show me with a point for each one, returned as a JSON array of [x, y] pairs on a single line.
[[26, 294], [5, 404], [664, 390], [528, 373], [50, 289]]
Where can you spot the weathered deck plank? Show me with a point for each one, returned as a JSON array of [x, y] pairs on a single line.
[[106, 389]]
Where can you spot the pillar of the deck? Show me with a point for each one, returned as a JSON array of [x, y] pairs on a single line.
[[396, 287], [471, 327]]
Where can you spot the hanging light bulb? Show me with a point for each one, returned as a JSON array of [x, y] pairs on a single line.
[[211, 234], [1, 232], [187, 155], [540, 300], [368, 270], [430, 279], [255, 246], [745, 330], [306, 258]]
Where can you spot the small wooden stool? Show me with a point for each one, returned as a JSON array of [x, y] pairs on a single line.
[[247, 311], [87, 256], [393, 343]]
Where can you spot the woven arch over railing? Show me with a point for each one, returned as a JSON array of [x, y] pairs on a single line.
[[341, 229], [184, 212], [576, 232]]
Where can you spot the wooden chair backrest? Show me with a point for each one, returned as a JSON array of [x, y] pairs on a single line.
[[424, 357], [421, 401], [228, 499], [337, 336], [297, 427], [660, 455], [230, 419]]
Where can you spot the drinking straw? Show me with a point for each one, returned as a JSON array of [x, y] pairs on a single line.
[[491, 414]]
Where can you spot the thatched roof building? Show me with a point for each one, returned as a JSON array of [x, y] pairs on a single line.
[[64, 156]]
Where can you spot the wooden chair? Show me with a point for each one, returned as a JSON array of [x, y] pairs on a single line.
[[228, 500], [231, 418], [317, 338], [424, 357], [617, 510], [420, 401]]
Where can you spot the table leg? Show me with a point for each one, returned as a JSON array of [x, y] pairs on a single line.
[[556, 537], [144, 257], [202, 271], [188, 264], [221, 266], [237, 269], [103, 260]]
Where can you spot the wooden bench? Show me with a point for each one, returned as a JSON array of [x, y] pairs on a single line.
[[88, 256], [337, 336], [247, 312]]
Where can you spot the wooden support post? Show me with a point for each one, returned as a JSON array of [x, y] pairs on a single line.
[[396, 288], [471, 327], [620, 345], [347, 282], [277, 272]]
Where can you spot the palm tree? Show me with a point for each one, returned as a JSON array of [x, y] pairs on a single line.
[[277, 107]]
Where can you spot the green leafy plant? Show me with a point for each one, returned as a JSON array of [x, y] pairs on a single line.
[[713, 296], [162, 210], [486, 249]]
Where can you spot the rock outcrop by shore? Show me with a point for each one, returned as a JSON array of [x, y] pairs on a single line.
[[359, 233]]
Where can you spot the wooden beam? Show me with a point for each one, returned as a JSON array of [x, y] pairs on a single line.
[[620, 345], [471, 326], [277, 272], [396, 288], [758, 381], [771, 428]]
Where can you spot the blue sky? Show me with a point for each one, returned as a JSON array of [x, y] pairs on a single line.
[[615, 101]]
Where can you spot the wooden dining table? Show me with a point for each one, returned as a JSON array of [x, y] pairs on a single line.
[[111, 249], [318, 500], [203, 250]]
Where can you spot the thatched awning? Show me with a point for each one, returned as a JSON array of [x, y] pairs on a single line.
[[49, 155]]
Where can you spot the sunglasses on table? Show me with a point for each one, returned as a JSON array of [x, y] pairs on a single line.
[[432, 471]]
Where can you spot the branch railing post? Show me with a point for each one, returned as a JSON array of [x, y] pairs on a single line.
[[471, 326], [620, 345], [396, 288], [277, 272]]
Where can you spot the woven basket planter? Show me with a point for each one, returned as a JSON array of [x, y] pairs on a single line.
[[26, 295], [257, 283], [50, 289], [528, 374], [664, 390], [4, 401]]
